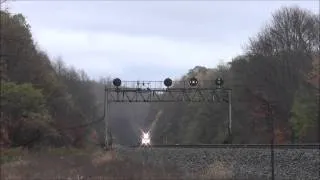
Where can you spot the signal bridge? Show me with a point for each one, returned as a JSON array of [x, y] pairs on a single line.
[[191, 90], [167, 91]]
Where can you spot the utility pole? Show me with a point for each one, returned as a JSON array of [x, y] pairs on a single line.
[[108, 141], [230, 110], [271, 123]]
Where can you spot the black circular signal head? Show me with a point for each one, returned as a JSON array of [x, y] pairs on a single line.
[[219, 81], [193, 81], [167, 82], [117, 82]]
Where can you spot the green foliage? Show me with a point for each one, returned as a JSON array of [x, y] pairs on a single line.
[[304, 113], [22, 99], [24, 112], [10, 155]]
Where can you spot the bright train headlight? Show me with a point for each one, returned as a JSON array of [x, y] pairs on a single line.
[[146, 135], [145, 140]]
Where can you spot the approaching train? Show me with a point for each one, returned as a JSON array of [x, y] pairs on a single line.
[[145, 139]]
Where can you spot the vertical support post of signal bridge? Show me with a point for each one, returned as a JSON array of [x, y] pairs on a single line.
[[271, 121], [106, 114], [230, 112]]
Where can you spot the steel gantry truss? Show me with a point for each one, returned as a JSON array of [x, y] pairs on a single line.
[[166, 95], [190, 90]]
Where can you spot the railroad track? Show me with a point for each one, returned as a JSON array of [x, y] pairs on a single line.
[[255, 146]]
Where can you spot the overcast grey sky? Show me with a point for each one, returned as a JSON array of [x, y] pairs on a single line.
[[141, 40]]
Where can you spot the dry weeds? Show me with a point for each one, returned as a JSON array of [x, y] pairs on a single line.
[[69, 164], [61, 164]]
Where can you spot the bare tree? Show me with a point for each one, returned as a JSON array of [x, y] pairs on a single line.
[[291, 29], [3, 1], [3, 5]]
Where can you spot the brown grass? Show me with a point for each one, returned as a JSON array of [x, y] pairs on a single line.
[[72, 165]]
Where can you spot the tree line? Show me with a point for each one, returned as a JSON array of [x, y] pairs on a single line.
[[280, 67], [45, 102]]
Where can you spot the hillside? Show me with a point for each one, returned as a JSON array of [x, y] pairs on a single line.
[[280, 66], [43, 101]]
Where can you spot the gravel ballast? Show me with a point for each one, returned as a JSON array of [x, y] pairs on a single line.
[[241, 163]]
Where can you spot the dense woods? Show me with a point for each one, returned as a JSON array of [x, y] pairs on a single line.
[[47, 103], [280, 66], [42, 100]]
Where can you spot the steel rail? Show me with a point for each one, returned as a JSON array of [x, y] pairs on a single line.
[[254, 146]]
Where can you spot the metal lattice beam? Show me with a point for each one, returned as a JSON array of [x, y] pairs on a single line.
[[167, 95], [155, 91]]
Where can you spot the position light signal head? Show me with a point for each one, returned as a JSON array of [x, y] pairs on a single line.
[[117, 82], [167, 82], [193, 81], [219, 81]]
